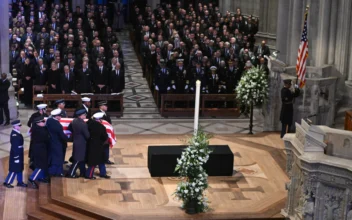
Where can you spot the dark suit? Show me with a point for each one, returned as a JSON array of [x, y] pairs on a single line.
[[41, 76], [101, 77], [4, 98], [117, 81], [85, 81], [67, 82]]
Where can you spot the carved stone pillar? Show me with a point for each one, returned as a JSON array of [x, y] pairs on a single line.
[[282, 30], [323, 33], [4, 56]]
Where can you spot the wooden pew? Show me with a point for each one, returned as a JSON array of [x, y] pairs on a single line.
[[222, 99], [348, 121], [168, 107], [49, 99]]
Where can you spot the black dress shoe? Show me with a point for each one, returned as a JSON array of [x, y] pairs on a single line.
[[7, 123], [72, 177], [7, 185], [106, 177], [22, 184], [109, 162], [33, 184], [44, 180], [90, 178]]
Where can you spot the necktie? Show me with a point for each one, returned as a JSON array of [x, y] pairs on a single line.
[[117, 72], [13, 54], [71, 70], [41, 53], [67, 76], [101, 69], [84, 70], [22, 60]]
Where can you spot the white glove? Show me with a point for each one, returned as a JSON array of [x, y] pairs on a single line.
[[296, 86], [157, 88], [173, 86], [186, 87], [224, 87], [192, 88], [17, 161], [168, 88]]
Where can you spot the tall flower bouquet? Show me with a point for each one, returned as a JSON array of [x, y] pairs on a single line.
[[190, 165], [252, 90]]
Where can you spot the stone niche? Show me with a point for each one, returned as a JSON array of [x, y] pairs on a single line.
[[319, 166], [317, 100]]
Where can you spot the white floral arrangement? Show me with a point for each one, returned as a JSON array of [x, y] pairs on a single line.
[[253, 87], [190, 165]]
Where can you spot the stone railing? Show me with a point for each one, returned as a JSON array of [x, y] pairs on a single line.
[[319, 165]]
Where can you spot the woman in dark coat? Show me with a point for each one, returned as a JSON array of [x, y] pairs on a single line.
[[54, 79], [95, 146], [27, 80], [40, 144]]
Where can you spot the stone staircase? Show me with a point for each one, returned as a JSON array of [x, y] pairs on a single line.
[[138, 99]]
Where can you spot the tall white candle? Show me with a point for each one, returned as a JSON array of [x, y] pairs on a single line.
[[196, 108]]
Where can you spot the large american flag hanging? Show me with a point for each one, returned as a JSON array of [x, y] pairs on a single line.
[[302, 54]]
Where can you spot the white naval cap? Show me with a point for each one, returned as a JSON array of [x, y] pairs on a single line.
[[41, 106], [55, 112], [85, 99], [98, 115]]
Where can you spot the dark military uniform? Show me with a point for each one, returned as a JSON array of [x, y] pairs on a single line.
[[16, 159], [213, 84], [286, 116], [181, 80], [58, 141], [107, 118], [233, 77], [163, 80]]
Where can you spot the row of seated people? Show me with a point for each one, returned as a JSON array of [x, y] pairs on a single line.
[[67, 51], [222, 47]]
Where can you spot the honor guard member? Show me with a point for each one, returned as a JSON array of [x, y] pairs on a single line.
[[85, 105], [287, 97], [181, 78], [213, 81], [40, 149], [95, 146], [16, 160], [198, 74], [41, 112], [80, 138], [103, 107], [60, 104], [162, 78], [58, 141]]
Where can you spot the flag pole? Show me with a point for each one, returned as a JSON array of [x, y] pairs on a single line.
[[305, 14]]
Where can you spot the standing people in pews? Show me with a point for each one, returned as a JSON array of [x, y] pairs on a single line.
[[53, 79], [86, 106], [103, 107], [41, 76], [80, 137], [67, 81], [213, 81], [40, 149], [4, 99], [58, 140], [85, 79], [162, 78], [16, 159], [95, 146], [28, 75], [101, 78], [117, 79]]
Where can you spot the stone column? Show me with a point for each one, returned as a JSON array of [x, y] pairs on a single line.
[[332, 31], [4, 56], [282, 30], [296, 15], [342, 36], [350, 57]]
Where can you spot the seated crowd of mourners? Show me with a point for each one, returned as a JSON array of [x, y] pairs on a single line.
[[64, 49], [180, 45]]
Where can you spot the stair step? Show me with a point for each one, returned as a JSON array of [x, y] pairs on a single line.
[[128, 110], [32, 206], [48, 207]]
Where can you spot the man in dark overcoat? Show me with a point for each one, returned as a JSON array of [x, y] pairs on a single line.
[[16, 159], [4, 99], [58, 140], [80, 136], [39, 145], [95, 146], [103, 107], [287, 98]]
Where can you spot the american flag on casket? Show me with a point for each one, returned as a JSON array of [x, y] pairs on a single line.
[[65, 122]]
